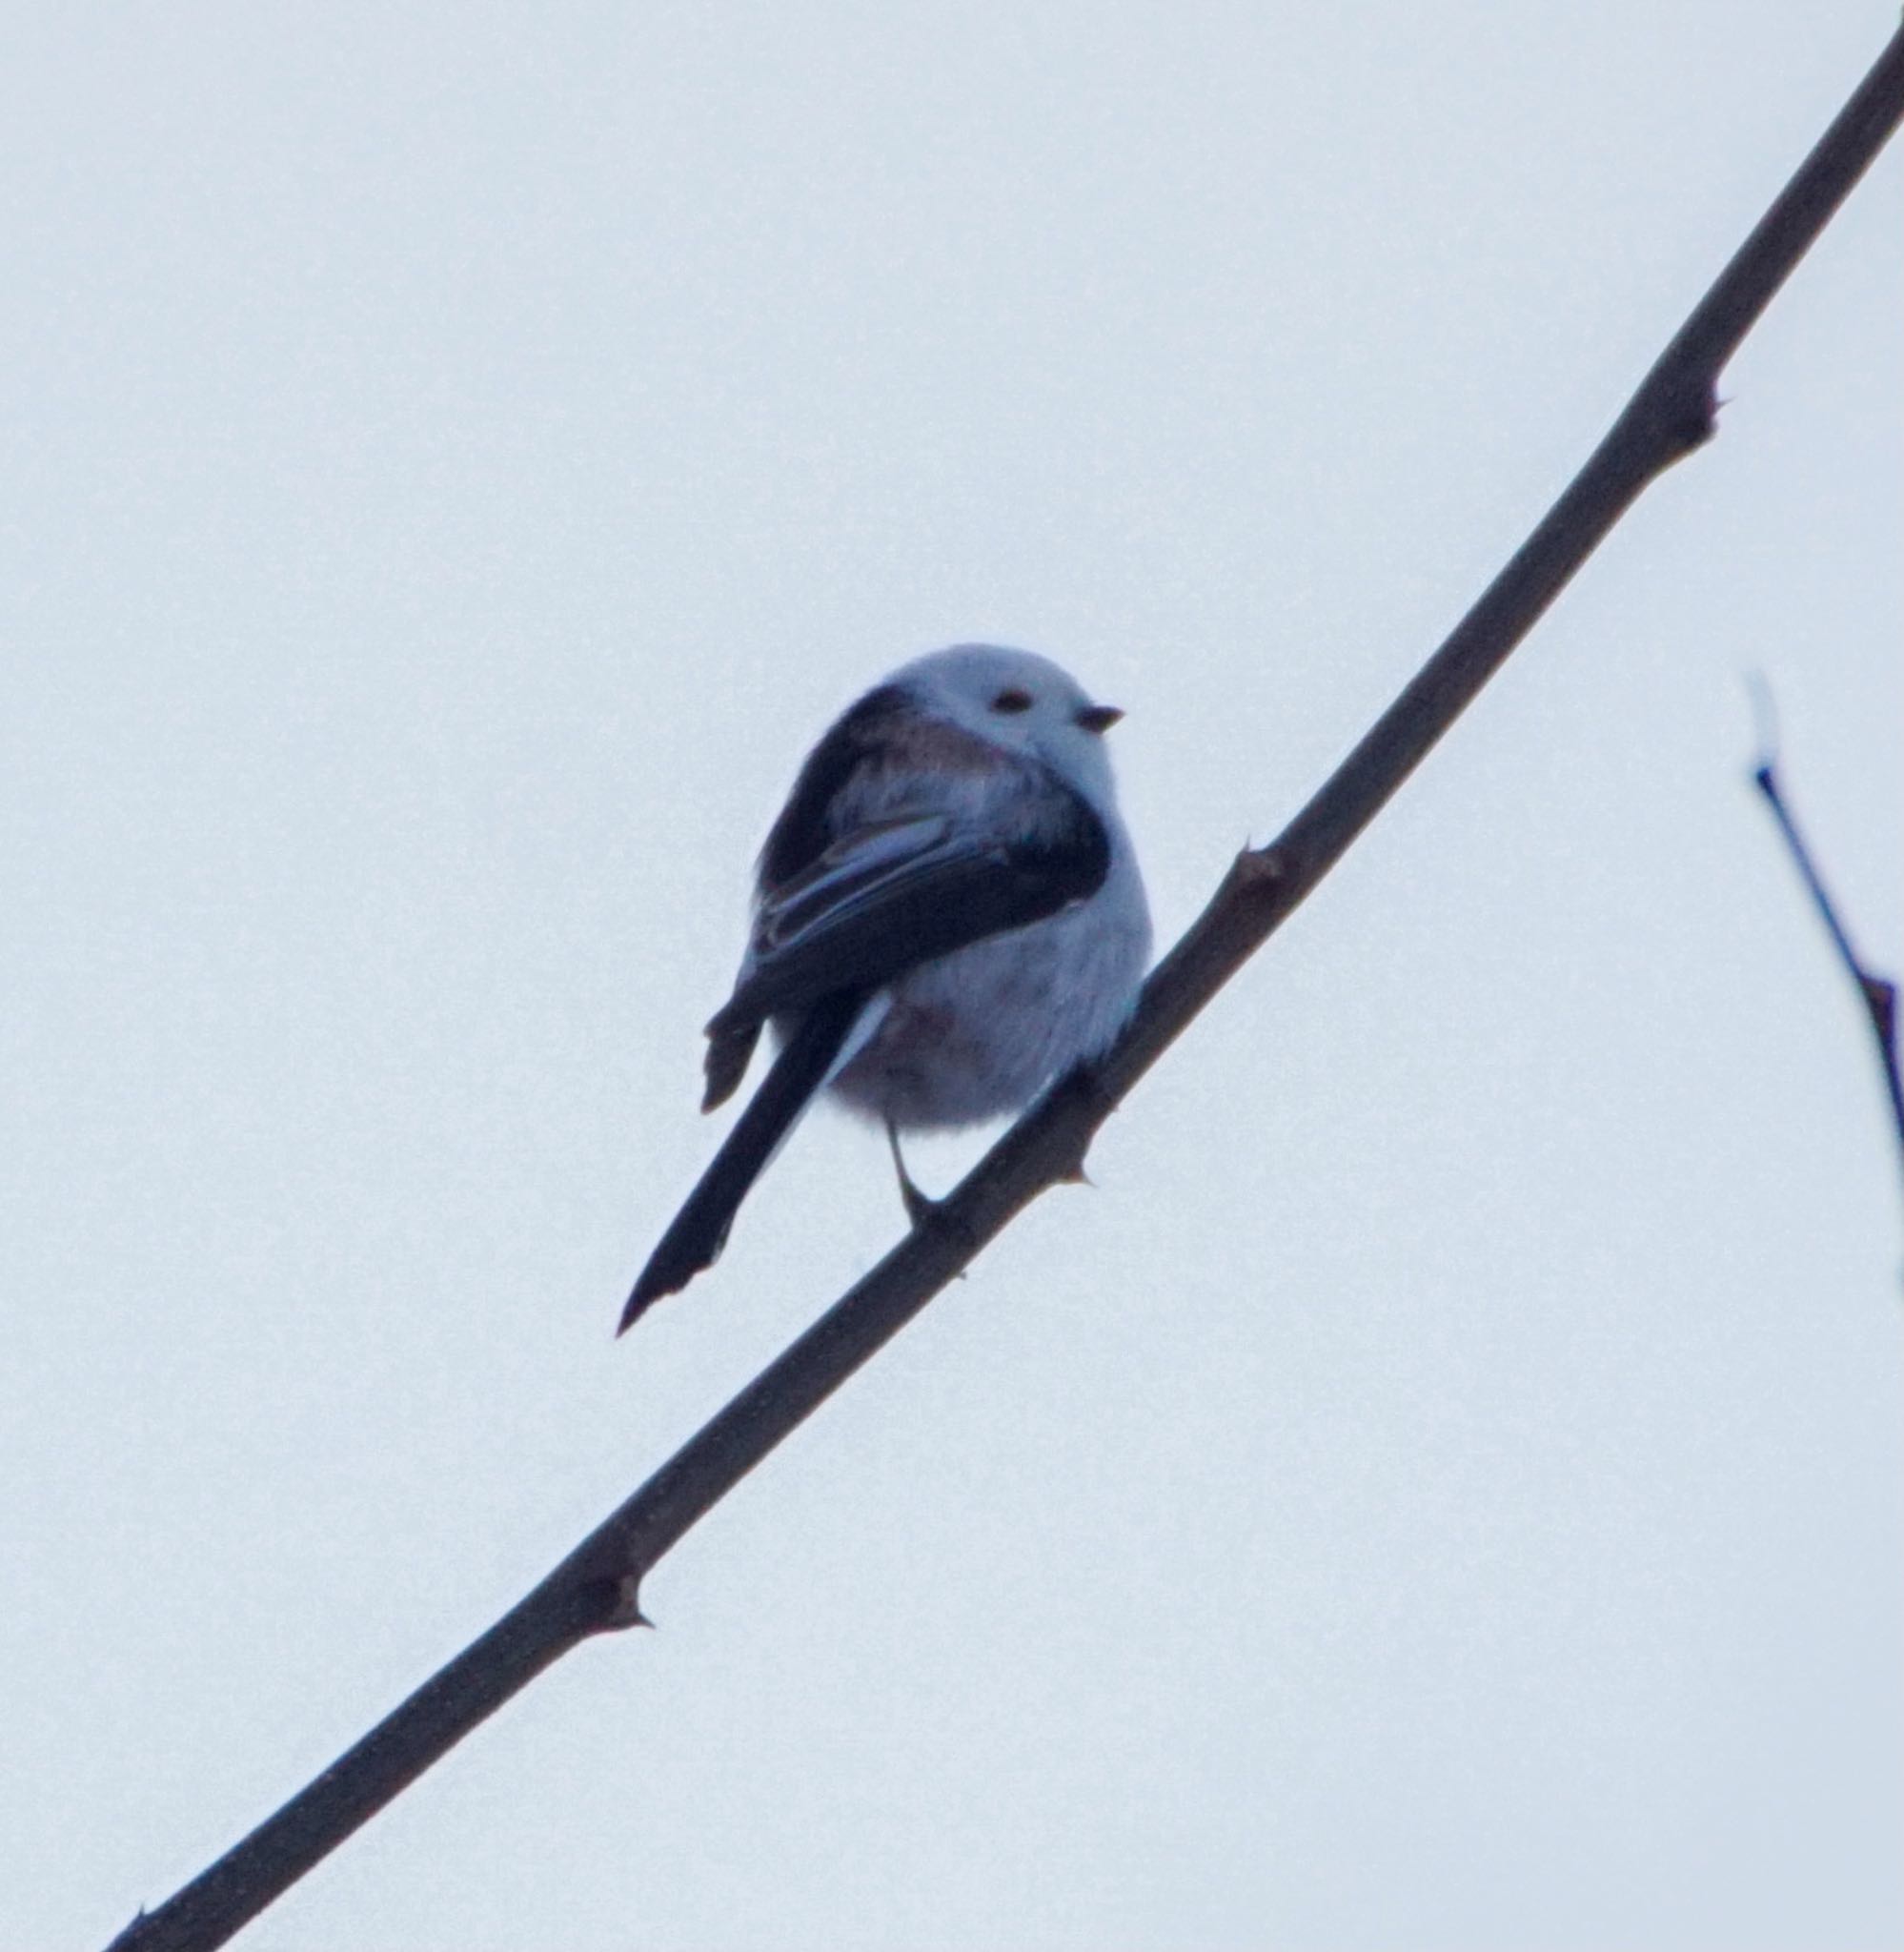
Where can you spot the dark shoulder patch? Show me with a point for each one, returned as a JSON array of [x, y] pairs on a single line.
[[1077, 848], [801, 834]]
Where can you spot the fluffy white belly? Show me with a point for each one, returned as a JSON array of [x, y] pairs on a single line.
[[981, 1032]]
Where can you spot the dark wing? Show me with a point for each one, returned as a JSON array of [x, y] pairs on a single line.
[[858, 743], [893, 893], [858, 740]]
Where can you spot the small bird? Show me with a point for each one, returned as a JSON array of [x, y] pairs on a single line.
[[947, 918]]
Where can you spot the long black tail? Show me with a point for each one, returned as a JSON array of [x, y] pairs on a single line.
[[699, 1230]]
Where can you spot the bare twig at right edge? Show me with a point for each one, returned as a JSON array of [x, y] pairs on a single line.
[[1880, 993]]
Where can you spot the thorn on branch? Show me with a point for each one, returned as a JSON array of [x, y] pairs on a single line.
[[1880, 999], [1682, 416], [1262, 871], [612, 1602], [1697, 419]]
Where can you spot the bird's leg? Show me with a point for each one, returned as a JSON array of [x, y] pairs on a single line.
[[918, 1208]]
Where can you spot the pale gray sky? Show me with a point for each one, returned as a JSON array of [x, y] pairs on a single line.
[[1442, 1489]]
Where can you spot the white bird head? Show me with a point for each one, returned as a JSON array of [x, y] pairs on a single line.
[[1022, 702]]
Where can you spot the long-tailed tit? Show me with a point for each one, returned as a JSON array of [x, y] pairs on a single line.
[[949, 917]]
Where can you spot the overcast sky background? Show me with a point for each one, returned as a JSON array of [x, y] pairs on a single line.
[[1442, 1489]]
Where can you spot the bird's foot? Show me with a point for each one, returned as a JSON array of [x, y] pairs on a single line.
[[920, 1208]]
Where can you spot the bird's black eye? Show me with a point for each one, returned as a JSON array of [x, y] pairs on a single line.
[[1012, 699]]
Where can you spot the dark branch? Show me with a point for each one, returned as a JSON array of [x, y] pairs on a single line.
[[1878, 993], [597, 1586]]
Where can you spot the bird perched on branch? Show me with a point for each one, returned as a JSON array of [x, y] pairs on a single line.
[[949, 917]]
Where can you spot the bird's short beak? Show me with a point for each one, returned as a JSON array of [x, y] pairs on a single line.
[[1100, 717]]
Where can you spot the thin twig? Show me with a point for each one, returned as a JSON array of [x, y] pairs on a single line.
[[1878, 993], [596, 1587]]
